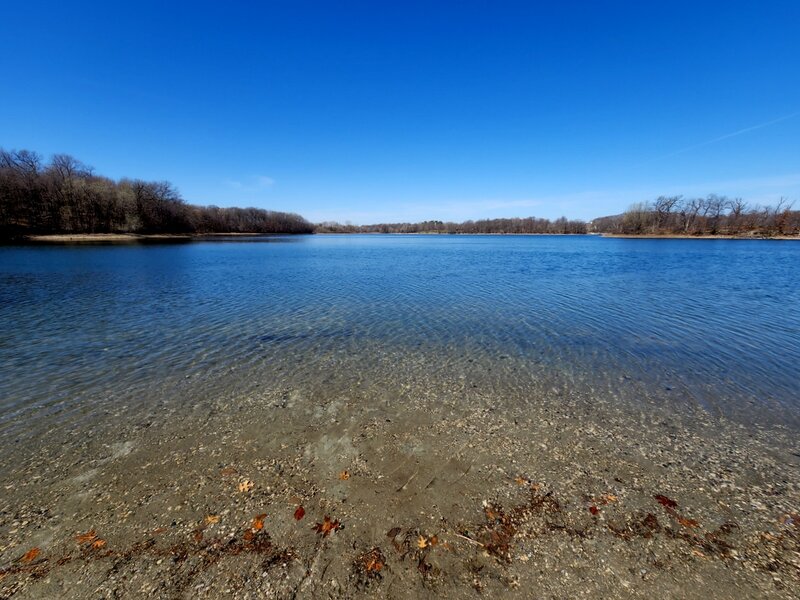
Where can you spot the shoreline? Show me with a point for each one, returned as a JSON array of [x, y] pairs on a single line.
[[95, 238], [402, 498], [679, 236], [75, 238]]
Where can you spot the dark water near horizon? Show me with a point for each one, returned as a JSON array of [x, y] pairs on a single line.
[[661, 323]]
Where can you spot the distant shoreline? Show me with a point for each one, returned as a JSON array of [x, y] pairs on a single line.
[[76, 238], [95, 238], [678, 236]]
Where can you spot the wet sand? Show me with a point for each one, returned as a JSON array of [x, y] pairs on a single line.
[[436, 490]]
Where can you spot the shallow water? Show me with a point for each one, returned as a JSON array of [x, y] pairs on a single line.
[[662, 323]]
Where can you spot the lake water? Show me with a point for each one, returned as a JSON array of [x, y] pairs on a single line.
[[653, 324]]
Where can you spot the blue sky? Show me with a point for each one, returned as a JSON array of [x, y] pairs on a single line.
[[377, 111]]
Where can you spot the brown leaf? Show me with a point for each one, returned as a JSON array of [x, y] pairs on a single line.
[[392, 533], [664, 501], [258, 522], [344, 475], [687, 522], [594, 510], [521, 480], [86, 538], [433, 540], [372, 562], [97, 544], [30, 555], [198, 535], [607, 499], [211, 519], [299, 513], [246, 485], [327, 526]]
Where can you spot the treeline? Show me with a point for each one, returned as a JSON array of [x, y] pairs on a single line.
[[712, 215], [526, 225], [66, 196]]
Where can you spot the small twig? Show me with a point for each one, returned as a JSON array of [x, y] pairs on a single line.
[[470, 540]]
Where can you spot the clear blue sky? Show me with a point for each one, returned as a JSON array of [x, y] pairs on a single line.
[[367, 112]]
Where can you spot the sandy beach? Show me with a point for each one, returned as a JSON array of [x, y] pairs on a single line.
[[431, 491]]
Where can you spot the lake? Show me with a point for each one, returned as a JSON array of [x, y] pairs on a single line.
[[714, 323], [400, 416]]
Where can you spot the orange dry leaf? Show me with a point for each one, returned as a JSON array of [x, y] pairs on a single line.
[[521, 480], [374, 565], [299, 513], [97, 544], [211, 519], [86, 538], [246, 485], [687, 522], [258, 522], [30, 555], [327, 526], [607, 498], [422, 542], [344, 475]]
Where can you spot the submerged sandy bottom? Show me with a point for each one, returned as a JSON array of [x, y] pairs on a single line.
[[418, 489]]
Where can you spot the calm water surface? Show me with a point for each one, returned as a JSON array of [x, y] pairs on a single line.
[[659, 323]]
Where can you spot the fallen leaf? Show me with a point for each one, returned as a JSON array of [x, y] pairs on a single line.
[[198, 535], [258, 522], [422, 542], [327, 526], [159, 530], [372, 562], [698, 553], [607, 498], [30, 555], [664, 501], [687, 522], [248, 535], [211, 519], [521, 480], [344, 475], [299, 513], [433, 540], [97, 544], [594, 510], [86, 538], [392, 533], [246, 485]]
